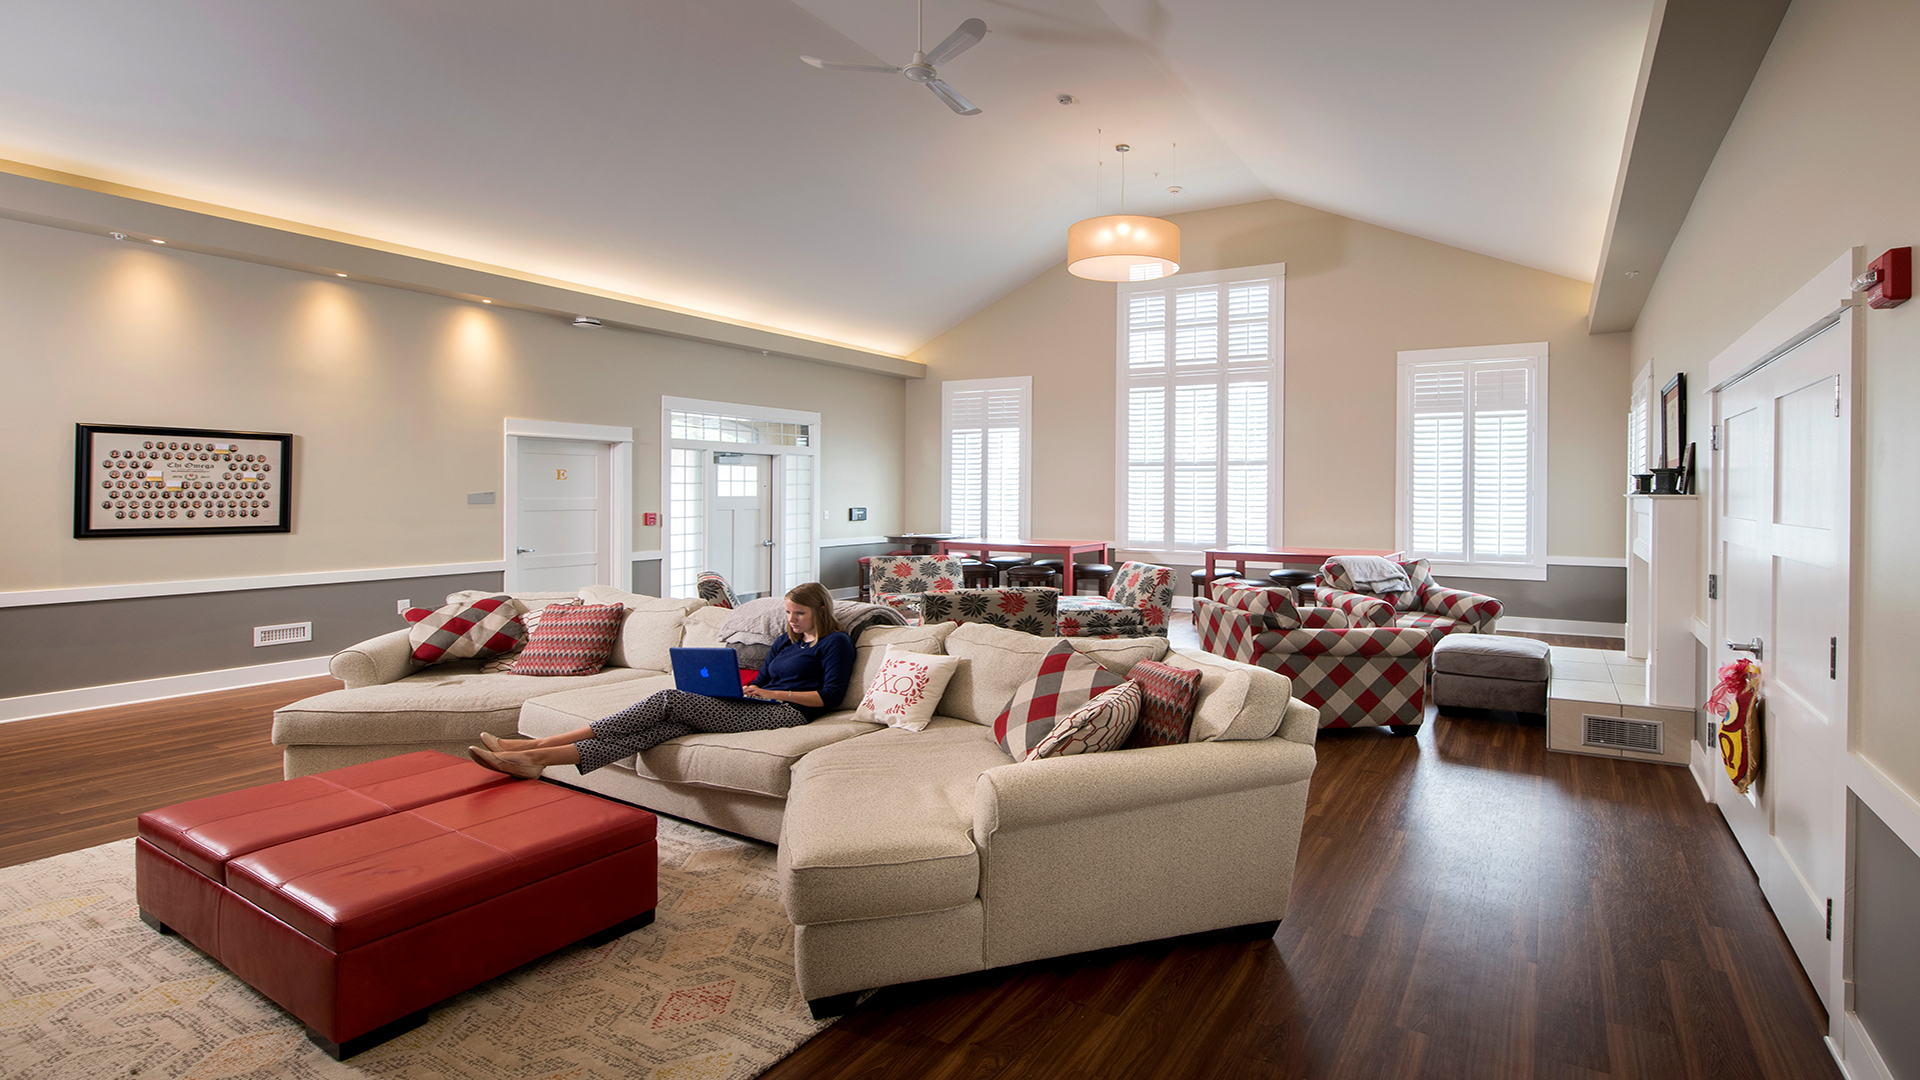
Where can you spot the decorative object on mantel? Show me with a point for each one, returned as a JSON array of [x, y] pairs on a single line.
[[157, 481], [1123, 246], [1666, 481], [1686, 486], [1642, 484], [1673, 422]]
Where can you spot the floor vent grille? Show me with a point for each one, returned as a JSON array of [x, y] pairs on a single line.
[[284, 634], [1620, 733]]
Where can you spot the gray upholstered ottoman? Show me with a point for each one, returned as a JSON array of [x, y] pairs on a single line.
[[1489, 671]]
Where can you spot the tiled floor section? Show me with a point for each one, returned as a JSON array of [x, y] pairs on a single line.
[[1601, 675]]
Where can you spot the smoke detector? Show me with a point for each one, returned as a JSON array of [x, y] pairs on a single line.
[[586, 322]]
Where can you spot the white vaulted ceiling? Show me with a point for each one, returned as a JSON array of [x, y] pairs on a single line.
[[681, 152]]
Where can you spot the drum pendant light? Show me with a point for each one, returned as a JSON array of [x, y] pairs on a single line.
[[1123, 247]]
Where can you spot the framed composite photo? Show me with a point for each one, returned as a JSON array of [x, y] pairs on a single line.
[[154, 481]]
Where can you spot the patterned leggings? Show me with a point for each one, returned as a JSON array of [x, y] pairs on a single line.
[[672, 713]]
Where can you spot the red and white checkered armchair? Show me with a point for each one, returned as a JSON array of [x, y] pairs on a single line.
[[1428, 605], [1139, 604], [1357, 676]]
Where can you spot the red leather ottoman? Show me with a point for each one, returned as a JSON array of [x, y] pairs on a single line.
[[357, 898]]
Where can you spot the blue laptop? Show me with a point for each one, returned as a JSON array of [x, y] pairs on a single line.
[[713, 672]]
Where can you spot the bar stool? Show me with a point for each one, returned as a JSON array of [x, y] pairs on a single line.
[[1099, 573], [1004, 563], [1031, 576], [1297, 582], [979, 575]]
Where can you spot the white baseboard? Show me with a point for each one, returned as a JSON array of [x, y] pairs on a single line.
[[1702, 767], [1564, 626], [29, 706], [1861, 1059]]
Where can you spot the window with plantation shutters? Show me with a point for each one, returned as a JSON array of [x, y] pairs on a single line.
[[1472, 447], [1199, 402], [986, 446]]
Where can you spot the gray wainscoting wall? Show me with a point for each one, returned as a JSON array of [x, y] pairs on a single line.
[[97, 643], [840, 566], [1886, 942], [646, 577], [1578, 593]]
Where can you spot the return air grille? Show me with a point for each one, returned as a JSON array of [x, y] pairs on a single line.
[[1620, 733], [284, 634]]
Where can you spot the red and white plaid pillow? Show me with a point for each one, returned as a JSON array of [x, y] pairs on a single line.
[[483, 627], [1169, 696], [1101, 724], [1067, 680], [572, 639]]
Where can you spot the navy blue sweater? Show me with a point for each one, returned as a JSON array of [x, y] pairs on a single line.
[[824, 666]]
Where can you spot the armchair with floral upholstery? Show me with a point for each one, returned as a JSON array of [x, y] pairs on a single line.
[[1030, 611], [1427, 605], [1140, 604], [897, 575], [1356, 675]]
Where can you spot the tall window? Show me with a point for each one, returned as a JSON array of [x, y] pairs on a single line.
[[987, 445], [1473, 458], [1199, 380]]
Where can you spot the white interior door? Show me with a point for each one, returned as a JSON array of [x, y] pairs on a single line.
[[560, 535], [740, 521], [1784, 535]]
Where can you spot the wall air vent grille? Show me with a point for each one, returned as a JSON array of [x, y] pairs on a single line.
[[1620, 733], [284, 634]]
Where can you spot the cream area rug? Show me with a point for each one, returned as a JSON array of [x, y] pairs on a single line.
[[706, 992]]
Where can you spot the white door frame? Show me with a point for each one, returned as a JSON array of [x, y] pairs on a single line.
[[616, 491], [777, 512], [1820, 304]]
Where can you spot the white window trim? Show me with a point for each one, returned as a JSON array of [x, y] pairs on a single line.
[[1276, 398], [1532, 568], [1022, 383], [777, 519]]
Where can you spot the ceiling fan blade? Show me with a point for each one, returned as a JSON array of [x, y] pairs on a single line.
[[835, 65], [952, 97], [962, 39]]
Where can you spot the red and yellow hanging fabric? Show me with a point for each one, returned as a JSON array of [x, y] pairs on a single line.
[[1735, 700]]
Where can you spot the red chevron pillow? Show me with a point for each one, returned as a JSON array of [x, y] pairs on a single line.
[[1100, 724], [1068, 679], [572, 639], [1169, 696], [484, 627]]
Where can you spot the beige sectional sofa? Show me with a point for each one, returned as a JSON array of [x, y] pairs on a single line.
[[914, 855]]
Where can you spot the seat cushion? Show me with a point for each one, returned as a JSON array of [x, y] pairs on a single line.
[[760, 762], [206, 834], [364, 882], [882, 825], [1494, 656], [444, 703], [1438, 625]]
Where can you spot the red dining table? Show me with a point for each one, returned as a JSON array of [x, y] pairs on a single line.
[[1291, 556], [1066, 549]]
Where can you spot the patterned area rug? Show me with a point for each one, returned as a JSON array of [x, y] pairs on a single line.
[[87, 990]]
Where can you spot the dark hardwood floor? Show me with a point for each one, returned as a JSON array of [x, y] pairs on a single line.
[[1466, 905]]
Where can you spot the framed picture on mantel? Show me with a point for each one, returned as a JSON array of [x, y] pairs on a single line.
[[1673, 421], [155, 481]]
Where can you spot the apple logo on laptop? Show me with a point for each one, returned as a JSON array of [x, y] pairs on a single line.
[[704, 674]]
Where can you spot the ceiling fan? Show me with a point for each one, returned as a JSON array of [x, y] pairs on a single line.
[[920, 68]]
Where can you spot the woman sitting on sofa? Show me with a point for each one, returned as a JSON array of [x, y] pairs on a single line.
[[804, 676]]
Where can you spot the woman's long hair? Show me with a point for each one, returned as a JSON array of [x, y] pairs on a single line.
[[815, 598]]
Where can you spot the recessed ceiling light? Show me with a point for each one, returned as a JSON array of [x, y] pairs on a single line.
[[157, 240], [484, 300], [1632, 273], [1067, 99], [339, 275], [586, 322], [118, 235]]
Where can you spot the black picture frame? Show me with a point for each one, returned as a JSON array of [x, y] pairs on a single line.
[[1673, 421], [254, 467]]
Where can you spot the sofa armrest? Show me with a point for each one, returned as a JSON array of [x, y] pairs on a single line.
[[1097, 850], [1030, 794], [387, 658], [1362, 609], [1474, 609]]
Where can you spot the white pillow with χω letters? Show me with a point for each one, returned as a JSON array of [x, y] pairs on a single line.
[[906, 689]]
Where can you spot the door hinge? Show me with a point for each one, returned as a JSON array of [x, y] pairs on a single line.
[[1836, 395], [1714, 437], [1833, 658], [1713, 586], [1829, 918]]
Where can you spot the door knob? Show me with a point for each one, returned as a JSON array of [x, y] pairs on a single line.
[[766, 543], [1754, 647], [522, 551]]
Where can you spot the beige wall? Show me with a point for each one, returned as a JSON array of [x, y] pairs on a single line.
[[1356, 296], [396, 397], [1812, 166]]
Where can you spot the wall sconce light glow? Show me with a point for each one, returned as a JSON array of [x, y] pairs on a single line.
[[1123, 247]]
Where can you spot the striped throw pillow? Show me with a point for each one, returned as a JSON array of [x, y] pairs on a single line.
[[572, 639], [1101, 724], [484, 627], [1169, 696], [1068, 679]]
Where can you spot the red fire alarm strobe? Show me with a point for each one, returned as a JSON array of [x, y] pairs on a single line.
[[649, 519], [1888, 281]]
